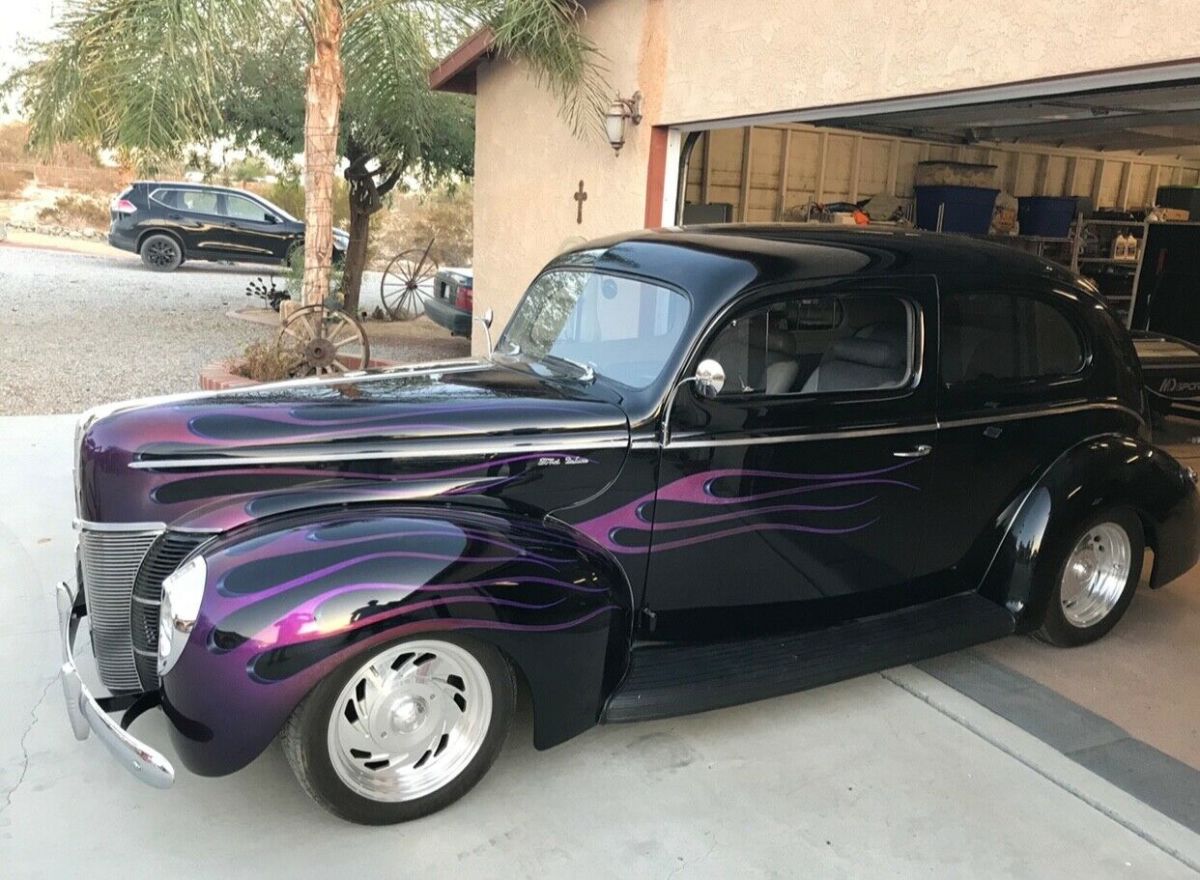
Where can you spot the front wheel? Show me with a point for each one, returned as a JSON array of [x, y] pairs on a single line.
[[404, 733], [1096, 578]]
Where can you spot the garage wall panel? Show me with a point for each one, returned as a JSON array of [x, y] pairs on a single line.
[[764, 174], [837, 168], [725, 168], [804, 153], [875, 159]]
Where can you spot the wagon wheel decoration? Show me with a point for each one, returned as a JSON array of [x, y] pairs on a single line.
[[318, 340], [407, 282]]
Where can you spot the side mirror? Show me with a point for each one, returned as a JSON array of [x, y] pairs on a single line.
[[709, 378], [268, 217], [486, 320]]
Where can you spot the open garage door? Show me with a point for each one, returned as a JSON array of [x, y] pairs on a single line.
[[1114, 150]]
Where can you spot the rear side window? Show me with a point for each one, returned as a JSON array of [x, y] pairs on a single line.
[[199, 201], [1004, 337]]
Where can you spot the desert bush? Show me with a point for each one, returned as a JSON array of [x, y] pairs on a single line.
[[76, 211], [13, 182], [445, 215], [288, 193], [262, 361]]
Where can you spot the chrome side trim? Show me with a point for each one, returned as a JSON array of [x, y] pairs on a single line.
[[132, 527], [690, 443], [86, 716], [402, 451], [694, 441], [1030, 414]]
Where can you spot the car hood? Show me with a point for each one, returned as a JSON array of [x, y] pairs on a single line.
[[472, 430]]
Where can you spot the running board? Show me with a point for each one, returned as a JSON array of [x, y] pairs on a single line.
[[666, 680]]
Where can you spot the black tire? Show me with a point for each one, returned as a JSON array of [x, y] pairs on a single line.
[[162, 253], [1057, 628], [305, 740]]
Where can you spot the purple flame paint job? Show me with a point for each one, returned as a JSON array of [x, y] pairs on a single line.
[[699, 492]]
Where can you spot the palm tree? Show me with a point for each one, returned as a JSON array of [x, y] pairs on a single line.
[[149, 78]]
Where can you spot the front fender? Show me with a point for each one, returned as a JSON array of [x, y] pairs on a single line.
[[289, 600], [1105, 471]]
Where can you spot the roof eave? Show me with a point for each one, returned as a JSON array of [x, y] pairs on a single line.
[[456, 73]]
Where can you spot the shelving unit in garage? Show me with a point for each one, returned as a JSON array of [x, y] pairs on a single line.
[[1116, 277]]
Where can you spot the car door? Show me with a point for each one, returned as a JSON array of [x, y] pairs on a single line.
[[251, 230], [794, 498], [1013, 396], [193, 215]]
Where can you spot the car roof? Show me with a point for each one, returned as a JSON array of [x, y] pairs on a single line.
[[724, 258], [183, 184]]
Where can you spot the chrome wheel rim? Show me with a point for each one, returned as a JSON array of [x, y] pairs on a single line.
[[1096, 574], [410, 720]]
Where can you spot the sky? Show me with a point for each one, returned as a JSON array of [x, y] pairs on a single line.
[[21, 19]]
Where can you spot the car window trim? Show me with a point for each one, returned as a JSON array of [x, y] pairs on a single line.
[[910, 384], [1025, 383], [162, 204]]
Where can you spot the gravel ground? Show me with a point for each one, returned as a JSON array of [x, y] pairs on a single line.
[[81, 330]]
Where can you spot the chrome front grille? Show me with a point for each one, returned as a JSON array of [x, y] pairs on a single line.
[[110, 560], [161, 559]]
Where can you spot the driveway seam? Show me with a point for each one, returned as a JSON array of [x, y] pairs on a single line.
[[1093, 802]]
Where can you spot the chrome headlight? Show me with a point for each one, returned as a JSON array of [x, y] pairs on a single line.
[[182, 592]]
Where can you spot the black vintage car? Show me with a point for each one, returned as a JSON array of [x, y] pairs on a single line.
[[168, 223], [702, 467]]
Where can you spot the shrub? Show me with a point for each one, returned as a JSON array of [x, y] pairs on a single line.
[[12, 183], [288, 193], [76, 211], [262, 361], [445, 215]]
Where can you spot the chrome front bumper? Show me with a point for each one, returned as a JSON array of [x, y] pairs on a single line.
[[87, 716]]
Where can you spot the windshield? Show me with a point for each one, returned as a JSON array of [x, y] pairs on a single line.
[[580, 322]]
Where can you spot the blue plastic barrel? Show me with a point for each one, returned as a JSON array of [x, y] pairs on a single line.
[[967, 208], [1050, 216]]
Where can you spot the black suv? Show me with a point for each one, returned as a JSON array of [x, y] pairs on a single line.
[[167, 223]]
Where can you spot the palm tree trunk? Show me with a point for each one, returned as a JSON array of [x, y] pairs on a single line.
[[322, 105]]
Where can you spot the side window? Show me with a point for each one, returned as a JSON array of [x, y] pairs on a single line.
[[238, 208], [1003, 337], [197, 201], [815, 345]]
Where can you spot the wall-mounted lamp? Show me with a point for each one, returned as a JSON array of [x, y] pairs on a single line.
[[620, 110]]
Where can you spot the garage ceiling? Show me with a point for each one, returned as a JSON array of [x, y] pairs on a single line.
[[1161, 120]]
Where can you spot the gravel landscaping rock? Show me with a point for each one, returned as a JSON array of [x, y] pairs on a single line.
[[80, 330]]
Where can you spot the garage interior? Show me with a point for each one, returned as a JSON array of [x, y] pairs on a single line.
[[1115, 153]]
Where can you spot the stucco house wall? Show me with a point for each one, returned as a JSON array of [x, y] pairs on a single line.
[[763, 56], [528, 164], [697, 60]]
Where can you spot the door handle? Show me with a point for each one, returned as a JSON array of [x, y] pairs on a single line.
[[916, 452]]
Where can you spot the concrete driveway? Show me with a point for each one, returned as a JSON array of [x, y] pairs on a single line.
[[892, 775]]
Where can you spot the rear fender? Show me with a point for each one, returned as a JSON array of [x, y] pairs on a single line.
[[290, 600], [1101, 472]]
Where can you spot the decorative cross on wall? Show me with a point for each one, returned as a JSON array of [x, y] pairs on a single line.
[[580, 197]]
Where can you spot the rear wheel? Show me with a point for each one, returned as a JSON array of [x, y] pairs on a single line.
[[405, 733], [162, 253], [1096, 578]]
